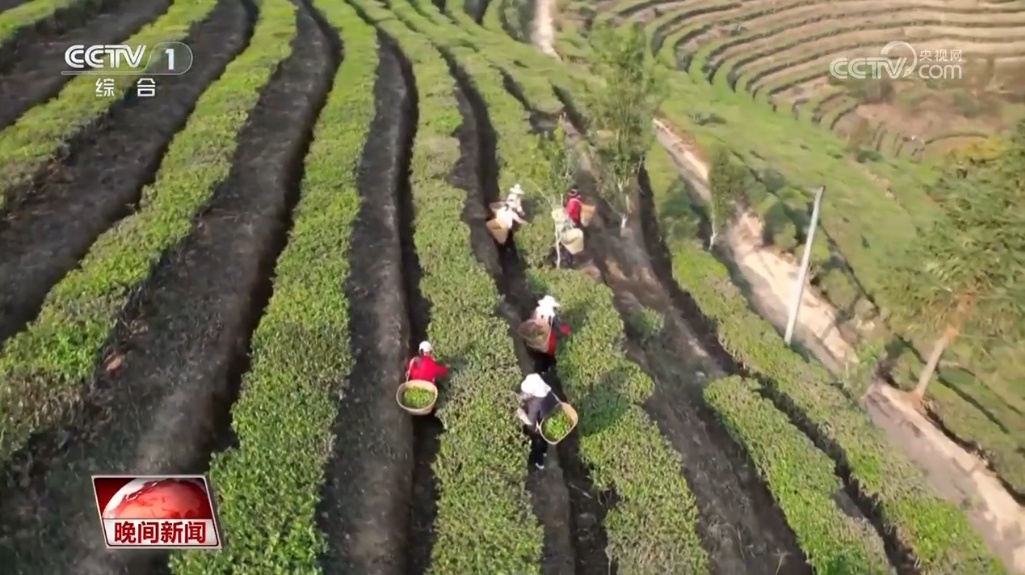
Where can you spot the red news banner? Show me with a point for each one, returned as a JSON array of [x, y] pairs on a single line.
[[164, 511]]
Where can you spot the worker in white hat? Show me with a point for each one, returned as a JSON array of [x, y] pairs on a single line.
[[538, 402], [508, 217], [547, 311], [424, 367], [515, 199]]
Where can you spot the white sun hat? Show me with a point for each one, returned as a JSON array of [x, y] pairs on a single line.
[[426, 347], [534, 385], [548, 301]]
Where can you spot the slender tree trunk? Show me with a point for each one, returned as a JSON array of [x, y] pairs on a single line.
[[938, 348], [626, 212]]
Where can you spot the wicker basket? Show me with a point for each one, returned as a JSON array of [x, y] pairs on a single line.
[[536, 333], [417, 384], [573, 240], [573, 417], [498, 231]]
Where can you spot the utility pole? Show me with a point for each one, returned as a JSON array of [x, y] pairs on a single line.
[[795, 303]]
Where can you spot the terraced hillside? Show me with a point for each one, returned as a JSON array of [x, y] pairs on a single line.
[[726, 51], [227, 277], [970, 62]]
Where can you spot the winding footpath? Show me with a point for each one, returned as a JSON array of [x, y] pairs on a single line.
[[955, 474]]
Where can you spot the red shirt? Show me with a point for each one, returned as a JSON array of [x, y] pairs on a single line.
[[553, 337], [424, 367], [573, 208]]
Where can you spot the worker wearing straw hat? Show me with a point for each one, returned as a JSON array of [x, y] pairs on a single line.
[[538, 401], [515, 199]]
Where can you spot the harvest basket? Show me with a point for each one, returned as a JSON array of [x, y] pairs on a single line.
[[573, 240], [417, 384], [536, 333], [573, 418], [498, 231], [586, 213]]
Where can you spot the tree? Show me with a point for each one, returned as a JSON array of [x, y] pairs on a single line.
[[727, 183], [964, 278], [621, 111], [554, 164]]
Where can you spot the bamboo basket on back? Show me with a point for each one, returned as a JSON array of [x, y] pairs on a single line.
[[535, 333], [573, 240], [498, 231]]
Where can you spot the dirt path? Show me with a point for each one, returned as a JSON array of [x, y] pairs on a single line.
[[567, 546], [369, 508], [996, 516], [992, 511], [770, 276]]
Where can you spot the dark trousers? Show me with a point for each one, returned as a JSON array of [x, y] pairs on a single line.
[[567, 259], [538, 448], [543, 363]]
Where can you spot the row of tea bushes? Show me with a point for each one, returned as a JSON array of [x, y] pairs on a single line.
[[936, 531], [42, 368], [654, 522], [483, 524], [802, 481], [40, 133], [269, 487]]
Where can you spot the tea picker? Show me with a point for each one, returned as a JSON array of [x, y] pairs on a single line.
[[542, 332], [419, 392], [574, 206], [424, 367], [569, 239], [537, 402], [514, 200], [507, 215]]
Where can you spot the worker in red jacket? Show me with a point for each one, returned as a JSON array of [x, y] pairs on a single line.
[[424, 367], [546, 311], [574, 206]]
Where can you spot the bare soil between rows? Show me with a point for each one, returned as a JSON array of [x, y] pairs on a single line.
[[739, 523], [378, 506], [53, 26], [183, 340], [51, 223], [36, 76], [853, 501]]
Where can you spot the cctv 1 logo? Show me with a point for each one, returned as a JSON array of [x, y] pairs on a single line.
[[167, 59]]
